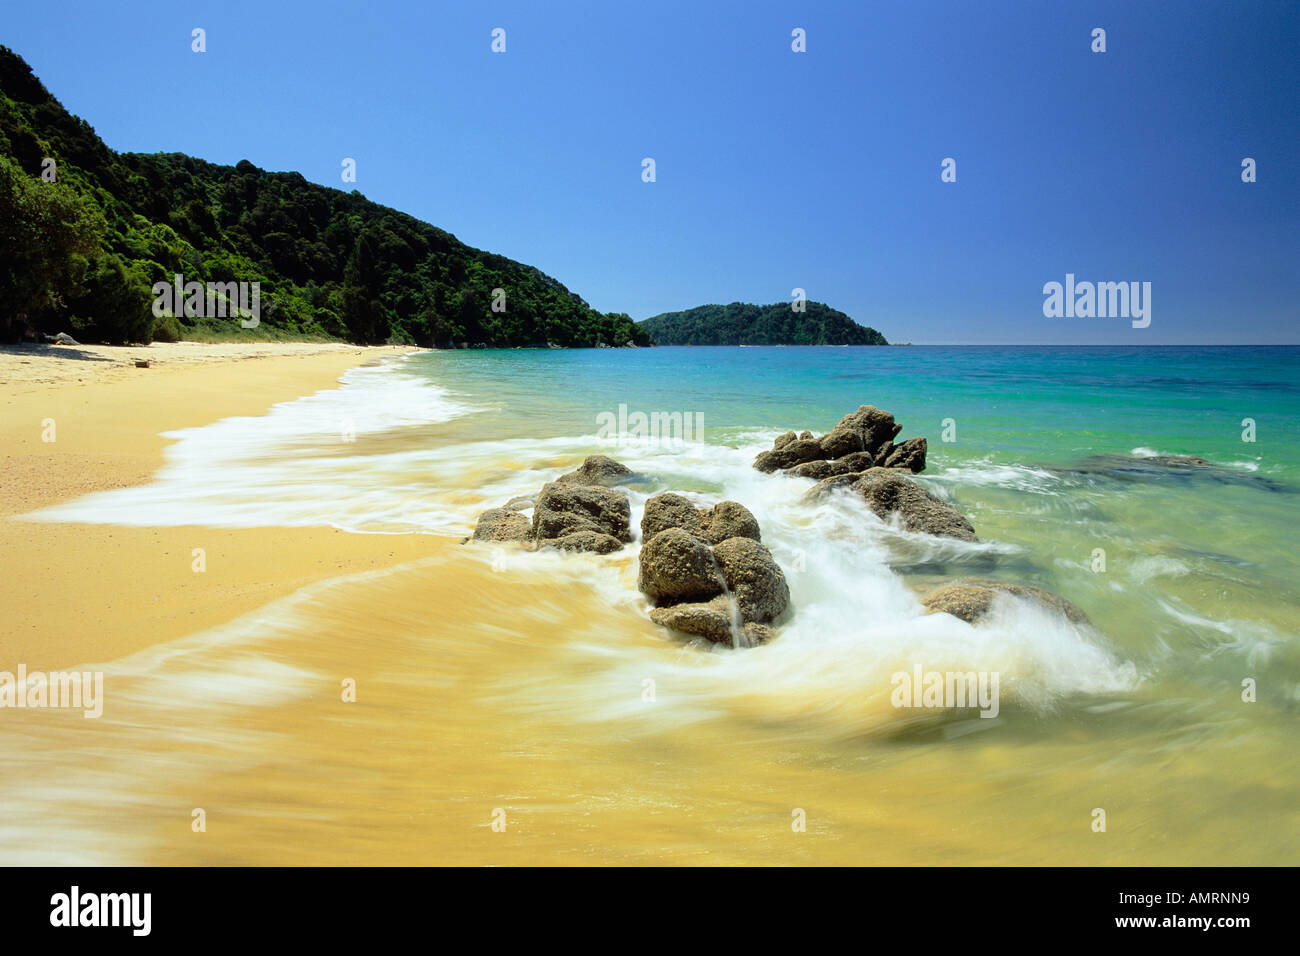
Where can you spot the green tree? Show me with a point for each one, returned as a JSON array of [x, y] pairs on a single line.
[[49, 236], [116, 306]]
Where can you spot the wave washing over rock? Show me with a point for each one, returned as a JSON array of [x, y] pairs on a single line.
[[706, 573], [811, 571]]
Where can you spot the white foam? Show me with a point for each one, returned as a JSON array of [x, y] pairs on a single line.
[[1145, 568], [1255, 639], [986, 472], [290, 467], [852, 617]]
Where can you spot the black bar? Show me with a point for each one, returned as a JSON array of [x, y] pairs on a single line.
[[943, 907]]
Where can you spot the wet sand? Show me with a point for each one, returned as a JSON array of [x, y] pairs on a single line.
[[82, 593]]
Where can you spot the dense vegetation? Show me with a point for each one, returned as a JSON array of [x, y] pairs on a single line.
[[83, 252], [743, 324]]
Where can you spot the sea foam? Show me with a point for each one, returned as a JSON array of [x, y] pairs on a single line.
[[854, 617]]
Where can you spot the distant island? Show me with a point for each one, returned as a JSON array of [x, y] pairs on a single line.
[[87, 236], [743, 324]]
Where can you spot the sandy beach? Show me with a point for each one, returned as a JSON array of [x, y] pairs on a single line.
[[494, 680], [81, 593]]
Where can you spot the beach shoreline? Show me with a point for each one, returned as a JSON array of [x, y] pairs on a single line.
[[80, 593], [329, 696]]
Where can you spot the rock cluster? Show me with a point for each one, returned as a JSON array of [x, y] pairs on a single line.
[[861, 440], [707, 571], [859, 454], [579, 511]]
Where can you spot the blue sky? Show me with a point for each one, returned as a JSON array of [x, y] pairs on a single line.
[[775, 169]]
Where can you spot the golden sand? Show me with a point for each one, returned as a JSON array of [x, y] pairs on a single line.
[[80, 592]]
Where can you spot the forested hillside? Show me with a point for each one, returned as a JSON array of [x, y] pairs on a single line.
[[82, 252]]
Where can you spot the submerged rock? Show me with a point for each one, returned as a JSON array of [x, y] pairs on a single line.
[[888, 492], [971, 598], [1179, 468]]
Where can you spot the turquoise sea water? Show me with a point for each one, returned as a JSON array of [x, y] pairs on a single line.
[[1013, 403], [1201, 566]]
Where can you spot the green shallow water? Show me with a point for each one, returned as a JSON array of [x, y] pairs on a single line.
[[1200, 568]]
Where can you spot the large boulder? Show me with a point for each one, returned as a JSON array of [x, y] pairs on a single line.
[[564, 509], [754, 578], [715, 620], [971, 598], [669, 510], [676, 566], [502, 524], [887, 492], [729, 519], [597, 470]]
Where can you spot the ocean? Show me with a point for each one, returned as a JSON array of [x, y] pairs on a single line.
[[492, 679]]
